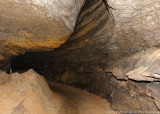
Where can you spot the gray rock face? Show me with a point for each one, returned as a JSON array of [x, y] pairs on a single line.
[[143, 66], [138, 22], [136, 18], [153, 91]]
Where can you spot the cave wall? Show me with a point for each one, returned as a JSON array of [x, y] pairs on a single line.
[[35, 26], [113, 52], [123, 39]]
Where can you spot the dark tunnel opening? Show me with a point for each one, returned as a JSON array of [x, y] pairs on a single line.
[[24, 62]]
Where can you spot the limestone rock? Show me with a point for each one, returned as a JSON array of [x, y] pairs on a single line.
[[25, 93], [136, 19], [143, 66], [35, 25], [153, 91], [122, 39]]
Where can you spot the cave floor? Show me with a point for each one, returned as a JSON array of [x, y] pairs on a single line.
[[69, 100]]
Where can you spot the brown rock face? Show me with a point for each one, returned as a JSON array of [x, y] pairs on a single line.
[[113, 50], [26, 93], [35, 25]]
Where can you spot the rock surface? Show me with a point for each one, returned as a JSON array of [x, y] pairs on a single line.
[[143, 66], [28, 93], [119, 38], [136, 21], [25, 93], [35, 25], [74, 101], [105, 35]]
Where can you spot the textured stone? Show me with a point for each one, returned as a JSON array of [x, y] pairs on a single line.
[[134, 18], [28, 93], [122, 38], [143, 66], [35, 25], [25, 93], [153, 90]]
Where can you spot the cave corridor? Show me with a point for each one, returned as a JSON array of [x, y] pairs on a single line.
[[79, 57]]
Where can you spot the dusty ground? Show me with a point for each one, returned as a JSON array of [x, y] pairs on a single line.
[[73, 101]]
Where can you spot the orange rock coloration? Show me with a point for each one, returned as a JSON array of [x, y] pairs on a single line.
[[25, 93], [35, 25], [29, 93]]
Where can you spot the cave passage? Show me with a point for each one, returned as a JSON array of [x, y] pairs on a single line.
[[23, 63], [102, 50]]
